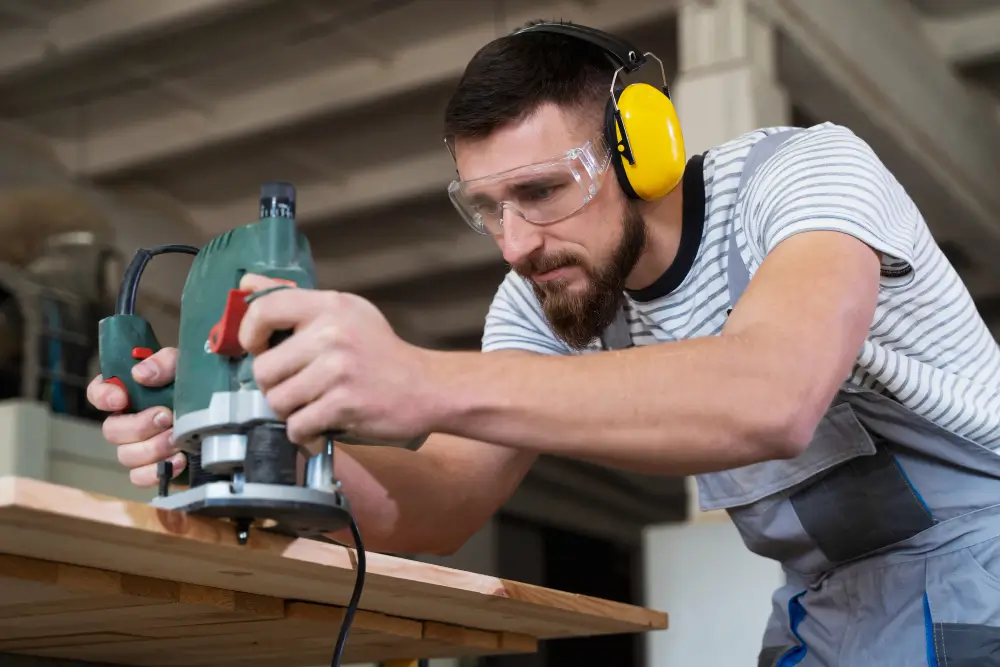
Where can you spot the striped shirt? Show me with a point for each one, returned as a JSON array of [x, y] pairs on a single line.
[[927, 346]]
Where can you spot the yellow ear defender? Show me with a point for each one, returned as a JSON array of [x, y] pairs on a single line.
[[641, 124]]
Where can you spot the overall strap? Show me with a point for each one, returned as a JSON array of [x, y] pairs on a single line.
[[739, 275], [617, 336]]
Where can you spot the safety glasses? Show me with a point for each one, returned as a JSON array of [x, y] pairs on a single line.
[[541, 193]]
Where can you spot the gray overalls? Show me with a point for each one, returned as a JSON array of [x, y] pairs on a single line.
[[886, 527]]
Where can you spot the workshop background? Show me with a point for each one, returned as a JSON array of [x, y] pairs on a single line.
[[127, 123]]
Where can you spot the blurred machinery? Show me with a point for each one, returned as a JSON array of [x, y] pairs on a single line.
[[58, 277], [60, 268]]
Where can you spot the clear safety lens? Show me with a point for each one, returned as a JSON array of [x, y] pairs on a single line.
[[540, 193]]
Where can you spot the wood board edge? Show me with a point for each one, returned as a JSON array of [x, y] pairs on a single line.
[[133, 523]]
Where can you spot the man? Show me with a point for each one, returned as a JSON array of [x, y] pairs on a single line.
[[843, 405]]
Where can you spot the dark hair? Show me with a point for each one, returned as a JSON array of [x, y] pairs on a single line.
[[509, 78]]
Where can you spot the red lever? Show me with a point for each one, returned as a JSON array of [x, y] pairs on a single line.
[[224, 337]]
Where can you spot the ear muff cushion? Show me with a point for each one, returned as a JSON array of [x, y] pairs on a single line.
[[655, 136], [613, 136]]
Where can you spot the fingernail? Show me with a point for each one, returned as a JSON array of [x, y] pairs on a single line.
[[163, 418], [145, 371]]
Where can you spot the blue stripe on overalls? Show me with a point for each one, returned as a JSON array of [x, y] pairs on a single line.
[[796, 613]]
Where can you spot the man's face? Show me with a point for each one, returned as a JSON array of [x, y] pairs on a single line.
[[578, 265]]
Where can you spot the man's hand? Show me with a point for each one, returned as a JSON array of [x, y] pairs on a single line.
[[343, 368], [144, 438]]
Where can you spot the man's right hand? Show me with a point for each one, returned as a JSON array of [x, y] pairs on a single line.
[[143, 438]]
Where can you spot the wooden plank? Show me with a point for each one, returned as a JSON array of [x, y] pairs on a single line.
[[53, 522], [161, 623], [96, 600]]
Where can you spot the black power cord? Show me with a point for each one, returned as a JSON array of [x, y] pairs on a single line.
[[352, 606], [125, 304]]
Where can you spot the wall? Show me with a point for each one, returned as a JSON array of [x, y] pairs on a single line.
[[709, 584], [61, 449]]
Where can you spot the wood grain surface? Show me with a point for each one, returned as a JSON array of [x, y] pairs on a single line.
[[65, 525], [57, 611]]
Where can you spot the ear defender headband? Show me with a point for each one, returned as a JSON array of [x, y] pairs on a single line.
[[640, 120]]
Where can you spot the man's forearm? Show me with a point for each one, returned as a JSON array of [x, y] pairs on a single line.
[[387, 490], [429, 501], [677, 408]]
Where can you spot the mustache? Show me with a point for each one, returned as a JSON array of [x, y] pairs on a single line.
[[545, 263]]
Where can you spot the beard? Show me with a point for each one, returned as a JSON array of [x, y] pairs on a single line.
[[578, 317]]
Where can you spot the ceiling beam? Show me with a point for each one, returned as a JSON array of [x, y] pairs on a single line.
[[329, 91], [103, 24], [399, 263], [889, 73], [382, 184], [25, 13], [967, 38]]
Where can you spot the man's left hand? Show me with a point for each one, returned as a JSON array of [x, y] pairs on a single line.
[[343, 368]]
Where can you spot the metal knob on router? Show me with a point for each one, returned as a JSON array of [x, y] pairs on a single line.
[[319, 472], [277, 199]]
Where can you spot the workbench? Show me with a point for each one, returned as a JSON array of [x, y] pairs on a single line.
[[96, 580]]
